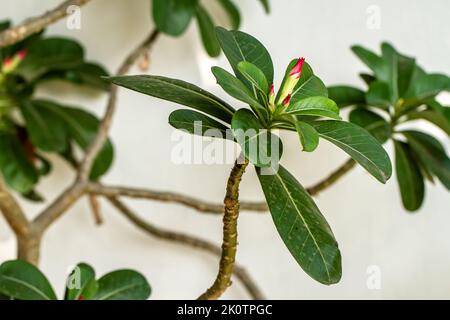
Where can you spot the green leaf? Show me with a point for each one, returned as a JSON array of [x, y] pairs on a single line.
[[434, 117], [82, 127], [265, 4], [255, 76], [197, 123], [51, 54], [373, 61], [235, 88], [179, 92], [233, 13], [378, 95], [346, 96], [45, 129], [260, 147], [372, 122], [315, 106], [308, 86], [367, 78], [81, 283], [432, 154], [239, 46], [359, 144], [207, 32], [123, 285], [428, 86], [88, 74], [173, 16], [18, 172], [302, 227], [309, 137], [409, 177], [23, 281]]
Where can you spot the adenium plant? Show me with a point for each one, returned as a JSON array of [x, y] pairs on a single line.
[[20, 280], [301, 106], [399, 92], [31, 128]]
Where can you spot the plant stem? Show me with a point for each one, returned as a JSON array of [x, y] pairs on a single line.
[[187, 240], [28, 247], [229, 244], [334, 177]]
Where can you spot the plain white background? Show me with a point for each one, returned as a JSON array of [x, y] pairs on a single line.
[[410, 250]]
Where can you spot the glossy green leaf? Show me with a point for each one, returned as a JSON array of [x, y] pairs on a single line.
[[367, 78], [434, 117], [179, 92], [359, 144], [81, 283], [23, 281], [346, 96], [235, 88], [372, 122], [302, 227], [51, 54], [315, 106], [233, 13], [409, 177], [123, 285], [239, 46], [372, 60], [173, 16], [429, 85], [197, 123], [432, 154], [261, 147], [18, 172], [379, 95], [309, 138], [46, 129], [207, 31], [255, 76]]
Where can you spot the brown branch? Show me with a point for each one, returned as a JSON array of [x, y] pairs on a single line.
[[229, 244], [102, 135], [194, 203], [12, 211], [34, 25], [334, 177], [80, 186], [187, 240], [96, 210]]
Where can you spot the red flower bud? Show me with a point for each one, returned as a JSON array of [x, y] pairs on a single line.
[[272, 91], [287, 100], [297, 70], [7, 61]]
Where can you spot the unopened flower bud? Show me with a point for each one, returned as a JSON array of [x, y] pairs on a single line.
[[292, 80], [287, 100], [10, 64]]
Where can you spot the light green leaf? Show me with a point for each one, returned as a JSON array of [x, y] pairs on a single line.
[[315, 106], [23, 281], [308, 86], [260, 146], [179, 92], [81, 283], [359, 144], [304, 230], [123, 285], [309, 137], [255, 76]]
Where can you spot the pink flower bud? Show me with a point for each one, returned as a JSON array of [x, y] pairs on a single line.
[[287, 100], [297, 70], [7, 61], [22, 54]]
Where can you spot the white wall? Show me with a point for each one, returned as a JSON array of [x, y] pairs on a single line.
[[412, 250]]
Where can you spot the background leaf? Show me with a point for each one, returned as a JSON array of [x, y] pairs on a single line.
[[346, 96], [233, 13], [372, 122], [23, 281], [207, 31], [196, 123], [123, 285], [173, 16]]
